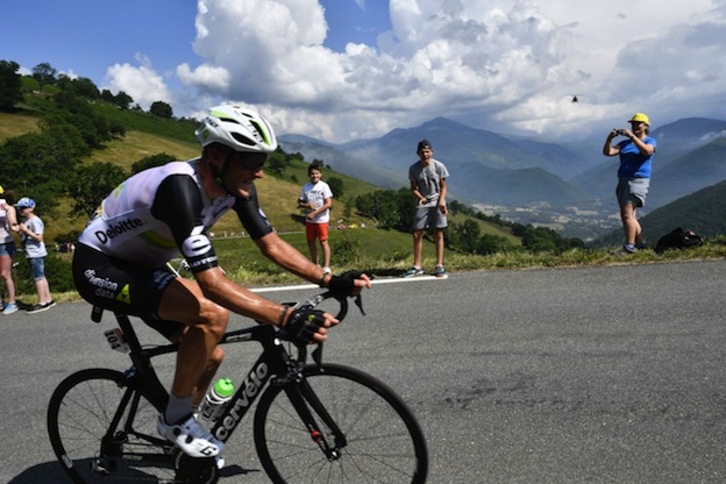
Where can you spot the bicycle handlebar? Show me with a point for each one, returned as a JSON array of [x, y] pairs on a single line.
[[316, 300]]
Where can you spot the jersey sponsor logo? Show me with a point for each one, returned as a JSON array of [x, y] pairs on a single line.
[[105, 287], [253, 383], [162, 279], [124, 295], [202, 262], [119, 228], [197, 244]]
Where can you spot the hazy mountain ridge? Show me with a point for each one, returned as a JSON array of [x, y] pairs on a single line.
[[567, 186], [573, 172]]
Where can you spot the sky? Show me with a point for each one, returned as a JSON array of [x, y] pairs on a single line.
[[342, 70]]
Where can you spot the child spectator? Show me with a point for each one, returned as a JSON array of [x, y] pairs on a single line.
[[31, 233], [317, 198]]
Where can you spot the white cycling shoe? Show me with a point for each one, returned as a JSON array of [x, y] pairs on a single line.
[[191, 438]]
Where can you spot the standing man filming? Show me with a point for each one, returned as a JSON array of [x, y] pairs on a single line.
[[428, 185], [636, 159]]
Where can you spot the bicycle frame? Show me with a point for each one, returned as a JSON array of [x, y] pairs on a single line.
[[274, 362]]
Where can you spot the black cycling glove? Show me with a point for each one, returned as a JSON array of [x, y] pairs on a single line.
[[302, 325], [343, 285]]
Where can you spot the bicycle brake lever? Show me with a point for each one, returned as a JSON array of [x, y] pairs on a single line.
[[318, 355], [359, 303]]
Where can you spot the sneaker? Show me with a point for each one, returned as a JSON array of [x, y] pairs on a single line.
[[190, 437], [629, 249], [10, 308], [641, 246], [50, 303], [440, 272], [38, 308], [414, 271]]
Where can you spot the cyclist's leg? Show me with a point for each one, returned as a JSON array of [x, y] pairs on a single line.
[[199, 355], [165, 302]]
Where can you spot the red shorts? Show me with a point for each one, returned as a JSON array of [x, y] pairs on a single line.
[[317, 231]]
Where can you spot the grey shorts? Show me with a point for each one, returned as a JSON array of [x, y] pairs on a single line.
[[632, 190], [426, 217]]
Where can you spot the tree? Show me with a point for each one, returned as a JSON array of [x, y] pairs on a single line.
[[91, 184], [44, 73], [336, 186], [161, 109], [11, 91], [123, 100], [152, 161], [466, 235], [389, 208]]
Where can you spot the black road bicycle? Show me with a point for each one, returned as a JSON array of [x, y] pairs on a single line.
[[314, 423]]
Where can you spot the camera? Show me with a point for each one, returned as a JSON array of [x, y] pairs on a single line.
[[620, 132]]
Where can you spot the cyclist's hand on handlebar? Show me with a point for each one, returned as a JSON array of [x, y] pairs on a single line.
[[306, 325], [349, 283]]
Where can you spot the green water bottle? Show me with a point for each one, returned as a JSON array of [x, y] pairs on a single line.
[[216, 399]]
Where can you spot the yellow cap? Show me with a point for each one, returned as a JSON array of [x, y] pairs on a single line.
[[640, 118], [2, 190]]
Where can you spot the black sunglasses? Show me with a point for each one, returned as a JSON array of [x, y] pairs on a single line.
[[251, 161]]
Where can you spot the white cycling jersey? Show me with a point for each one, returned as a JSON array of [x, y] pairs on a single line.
[[161, 212]]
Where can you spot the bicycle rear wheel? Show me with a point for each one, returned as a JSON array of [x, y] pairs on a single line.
[[81, 413], [379, 441]]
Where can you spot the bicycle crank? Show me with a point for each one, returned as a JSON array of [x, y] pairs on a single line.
[[193, 470]]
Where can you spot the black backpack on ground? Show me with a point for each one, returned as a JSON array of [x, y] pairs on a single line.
[[679, 239]]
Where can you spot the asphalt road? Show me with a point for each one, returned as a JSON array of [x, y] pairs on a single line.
[[596, 375]]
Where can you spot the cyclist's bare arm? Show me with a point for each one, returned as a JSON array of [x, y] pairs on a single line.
[[290, 259], [217, 287]]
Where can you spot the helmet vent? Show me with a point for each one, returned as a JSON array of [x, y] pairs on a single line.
[[243, 139]]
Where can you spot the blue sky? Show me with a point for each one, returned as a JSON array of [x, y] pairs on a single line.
[[347, 69]]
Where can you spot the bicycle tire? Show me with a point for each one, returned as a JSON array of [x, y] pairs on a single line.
[[79, 416], [384, 440]]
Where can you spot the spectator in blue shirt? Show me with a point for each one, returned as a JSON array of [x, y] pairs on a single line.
[[636, 157]]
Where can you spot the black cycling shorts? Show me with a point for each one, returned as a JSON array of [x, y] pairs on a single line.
[[123, 287]]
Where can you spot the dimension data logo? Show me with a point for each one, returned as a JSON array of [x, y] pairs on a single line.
[[118, 228]]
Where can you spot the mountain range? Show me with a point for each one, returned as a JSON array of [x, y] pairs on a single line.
[[496, 169]]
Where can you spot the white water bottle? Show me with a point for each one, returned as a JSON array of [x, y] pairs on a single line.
[[216, 399]]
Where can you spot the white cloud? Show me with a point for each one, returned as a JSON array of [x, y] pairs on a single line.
[[500, 64], [142, 83], [216, 78]]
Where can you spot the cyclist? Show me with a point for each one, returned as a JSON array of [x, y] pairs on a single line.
[[152, 217]]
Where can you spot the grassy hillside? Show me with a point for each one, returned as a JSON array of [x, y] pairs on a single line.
[[16, 124], [147, 135]]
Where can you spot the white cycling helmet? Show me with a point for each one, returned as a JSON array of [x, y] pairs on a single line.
[[241, 129]]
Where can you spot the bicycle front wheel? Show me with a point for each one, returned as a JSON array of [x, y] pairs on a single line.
[[104, 431], [370, 435]]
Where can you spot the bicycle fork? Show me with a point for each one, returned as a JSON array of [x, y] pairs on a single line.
[[304, 399]]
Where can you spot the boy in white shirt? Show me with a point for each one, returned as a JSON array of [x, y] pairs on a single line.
[[31, 233], [317, 198]]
